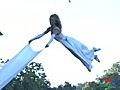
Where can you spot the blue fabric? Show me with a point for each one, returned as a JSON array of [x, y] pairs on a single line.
[[38, 36], [78, 49], [52, 37], [16, 65]]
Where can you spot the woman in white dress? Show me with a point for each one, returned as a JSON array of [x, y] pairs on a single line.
[[78, 49]]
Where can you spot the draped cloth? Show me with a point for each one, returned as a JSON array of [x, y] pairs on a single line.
[[16, 65], [78, 49], [21, 60]]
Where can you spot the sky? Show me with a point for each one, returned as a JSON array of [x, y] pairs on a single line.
[[95, 23]]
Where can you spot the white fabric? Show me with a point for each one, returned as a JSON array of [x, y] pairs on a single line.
[[19, 61], [16, 65], [52, 37], [78, 49], [38, 36]]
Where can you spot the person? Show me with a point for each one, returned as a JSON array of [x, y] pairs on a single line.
[[78, 49]]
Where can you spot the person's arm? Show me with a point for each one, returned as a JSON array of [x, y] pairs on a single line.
[[55, 31], [40, 35], [51, 39]]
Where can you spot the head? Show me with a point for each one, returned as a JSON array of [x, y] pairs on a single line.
[[55, 20]]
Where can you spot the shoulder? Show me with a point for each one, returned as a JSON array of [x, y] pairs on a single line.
[[56, 30]]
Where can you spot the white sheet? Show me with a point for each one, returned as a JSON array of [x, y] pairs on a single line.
[[16, 65]]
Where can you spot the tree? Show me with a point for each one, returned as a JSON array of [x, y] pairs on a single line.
[[66, 86], [79, 86], [86, 86], [91, 86], [114, 74], [31, 78], [34, 78]]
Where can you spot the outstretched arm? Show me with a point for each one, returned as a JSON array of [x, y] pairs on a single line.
[[52, 37], [39, 36], [55, 31]]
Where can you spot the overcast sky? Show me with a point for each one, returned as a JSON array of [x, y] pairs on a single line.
[[95, 23]]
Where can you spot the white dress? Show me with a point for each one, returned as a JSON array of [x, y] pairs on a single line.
[[79, 50]]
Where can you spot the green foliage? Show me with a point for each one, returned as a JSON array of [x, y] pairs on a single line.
[[34, 78], [31, 78], [91, 86], [66, 86], [114, 74]]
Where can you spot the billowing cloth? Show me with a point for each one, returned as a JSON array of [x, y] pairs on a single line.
[[18, 62], [78, 49], [16, 65]]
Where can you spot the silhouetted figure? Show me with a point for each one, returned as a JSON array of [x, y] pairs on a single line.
[[1, 34]]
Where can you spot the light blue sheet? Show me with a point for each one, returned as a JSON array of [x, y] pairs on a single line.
[[16, 65]]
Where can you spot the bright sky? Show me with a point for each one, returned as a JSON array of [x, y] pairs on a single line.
[[96, 23]]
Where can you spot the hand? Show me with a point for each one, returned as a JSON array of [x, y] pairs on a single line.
[[30, 41], [46, 46]]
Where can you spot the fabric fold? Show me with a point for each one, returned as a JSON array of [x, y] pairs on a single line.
[[78, 49], [16, 64]]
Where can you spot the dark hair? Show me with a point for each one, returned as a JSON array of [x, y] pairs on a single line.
[[57, 20]]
